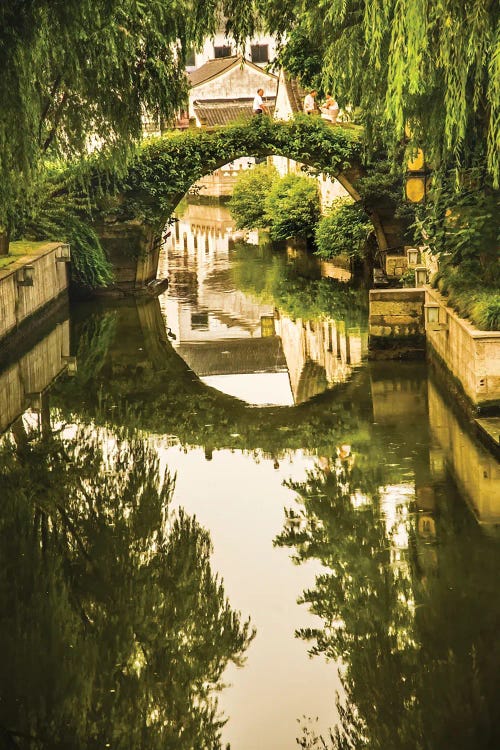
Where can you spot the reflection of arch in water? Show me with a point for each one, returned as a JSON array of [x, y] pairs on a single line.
[[163, 395]]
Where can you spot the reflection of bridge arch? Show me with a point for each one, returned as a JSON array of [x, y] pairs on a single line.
[[165, 169], [172, 400]]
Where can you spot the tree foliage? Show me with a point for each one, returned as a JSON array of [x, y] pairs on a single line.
[[249, 195], [344, 230], [436, 67], [292, 207], [81, 72]]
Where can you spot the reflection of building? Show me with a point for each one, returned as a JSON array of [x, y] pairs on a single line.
[[233, 341], [319, 353], [475, 470]]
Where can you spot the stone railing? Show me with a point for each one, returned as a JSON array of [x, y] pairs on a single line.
[[28, 284]]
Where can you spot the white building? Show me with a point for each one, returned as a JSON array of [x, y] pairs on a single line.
[[222, 90]]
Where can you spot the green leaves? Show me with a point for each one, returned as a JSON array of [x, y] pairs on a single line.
[[292, 207], [344, 230]]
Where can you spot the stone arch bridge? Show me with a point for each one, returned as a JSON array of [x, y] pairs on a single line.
[[131, 222]]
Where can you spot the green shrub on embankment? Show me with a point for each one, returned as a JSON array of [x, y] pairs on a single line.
[[465, 294]]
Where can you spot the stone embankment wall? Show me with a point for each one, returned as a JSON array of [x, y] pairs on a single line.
[[472, 356], [18, 303], [22, 383], [396, 321]]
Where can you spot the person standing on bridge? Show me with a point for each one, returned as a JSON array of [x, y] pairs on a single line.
[[259, 107]]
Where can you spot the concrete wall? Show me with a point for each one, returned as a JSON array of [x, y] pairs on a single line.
[[472, 356], [396, 313], [21, 382], [18, 303]]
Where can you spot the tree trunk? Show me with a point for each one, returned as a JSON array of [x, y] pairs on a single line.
[[4, 241]]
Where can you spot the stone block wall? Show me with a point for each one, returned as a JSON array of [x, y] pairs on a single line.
[[396, 265], [472, 356], [396, 313], [18, 303]]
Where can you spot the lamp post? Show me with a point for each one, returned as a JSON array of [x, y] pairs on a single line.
[[420, 276], [412, 256], [432, 317], [418, 179]]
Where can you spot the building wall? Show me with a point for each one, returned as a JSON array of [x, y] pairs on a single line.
[[18, 303], [207, 52], [237, 83]]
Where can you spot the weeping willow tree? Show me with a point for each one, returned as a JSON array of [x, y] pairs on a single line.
[[79, 73], [434, 66]]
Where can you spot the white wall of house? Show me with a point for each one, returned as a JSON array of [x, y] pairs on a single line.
[[329, 189], [240, 82], [220, 40], [282, 110]]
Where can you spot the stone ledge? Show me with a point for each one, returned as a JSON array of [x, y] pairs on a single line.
[[397, 295]]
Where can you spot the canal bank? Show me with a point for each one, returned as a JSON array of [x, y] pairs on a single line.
[[414, 322], [31, 286]]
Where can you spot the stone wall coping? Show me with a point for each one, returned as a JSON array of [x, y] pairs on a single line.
[[397, 294], [465, 324], [27, 260]]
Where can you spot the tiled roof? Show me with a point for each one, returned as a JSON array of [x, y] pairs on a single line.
[[214, 68], [211, 69], [223, 111]]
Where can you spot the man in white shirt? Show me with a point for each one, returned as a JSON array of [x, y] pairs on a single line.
[[259, 107], [309, 103]]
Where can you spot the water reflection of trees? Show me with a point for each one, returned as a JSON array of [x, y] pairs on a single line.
[[273, 279], [115, 631], [418, 643]]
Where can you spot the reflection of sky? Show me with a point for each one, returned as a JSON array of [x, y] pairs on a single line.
[[241, 502], [257, 388]]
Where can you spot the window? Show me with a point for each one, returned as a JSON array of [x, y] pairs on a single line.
[[190, 58], [260, 53], [224, 51]]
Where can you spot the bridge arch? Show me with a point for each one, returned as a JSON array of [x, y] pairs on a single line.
[[166, 167]]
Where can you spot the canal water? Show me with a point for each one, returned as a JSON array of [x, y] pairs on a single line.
[[222, 526]]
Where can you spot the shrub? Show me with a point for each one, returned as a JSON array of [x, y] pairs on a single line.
[[292, 207], [343, 231], [468, 296], [249, 195]]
